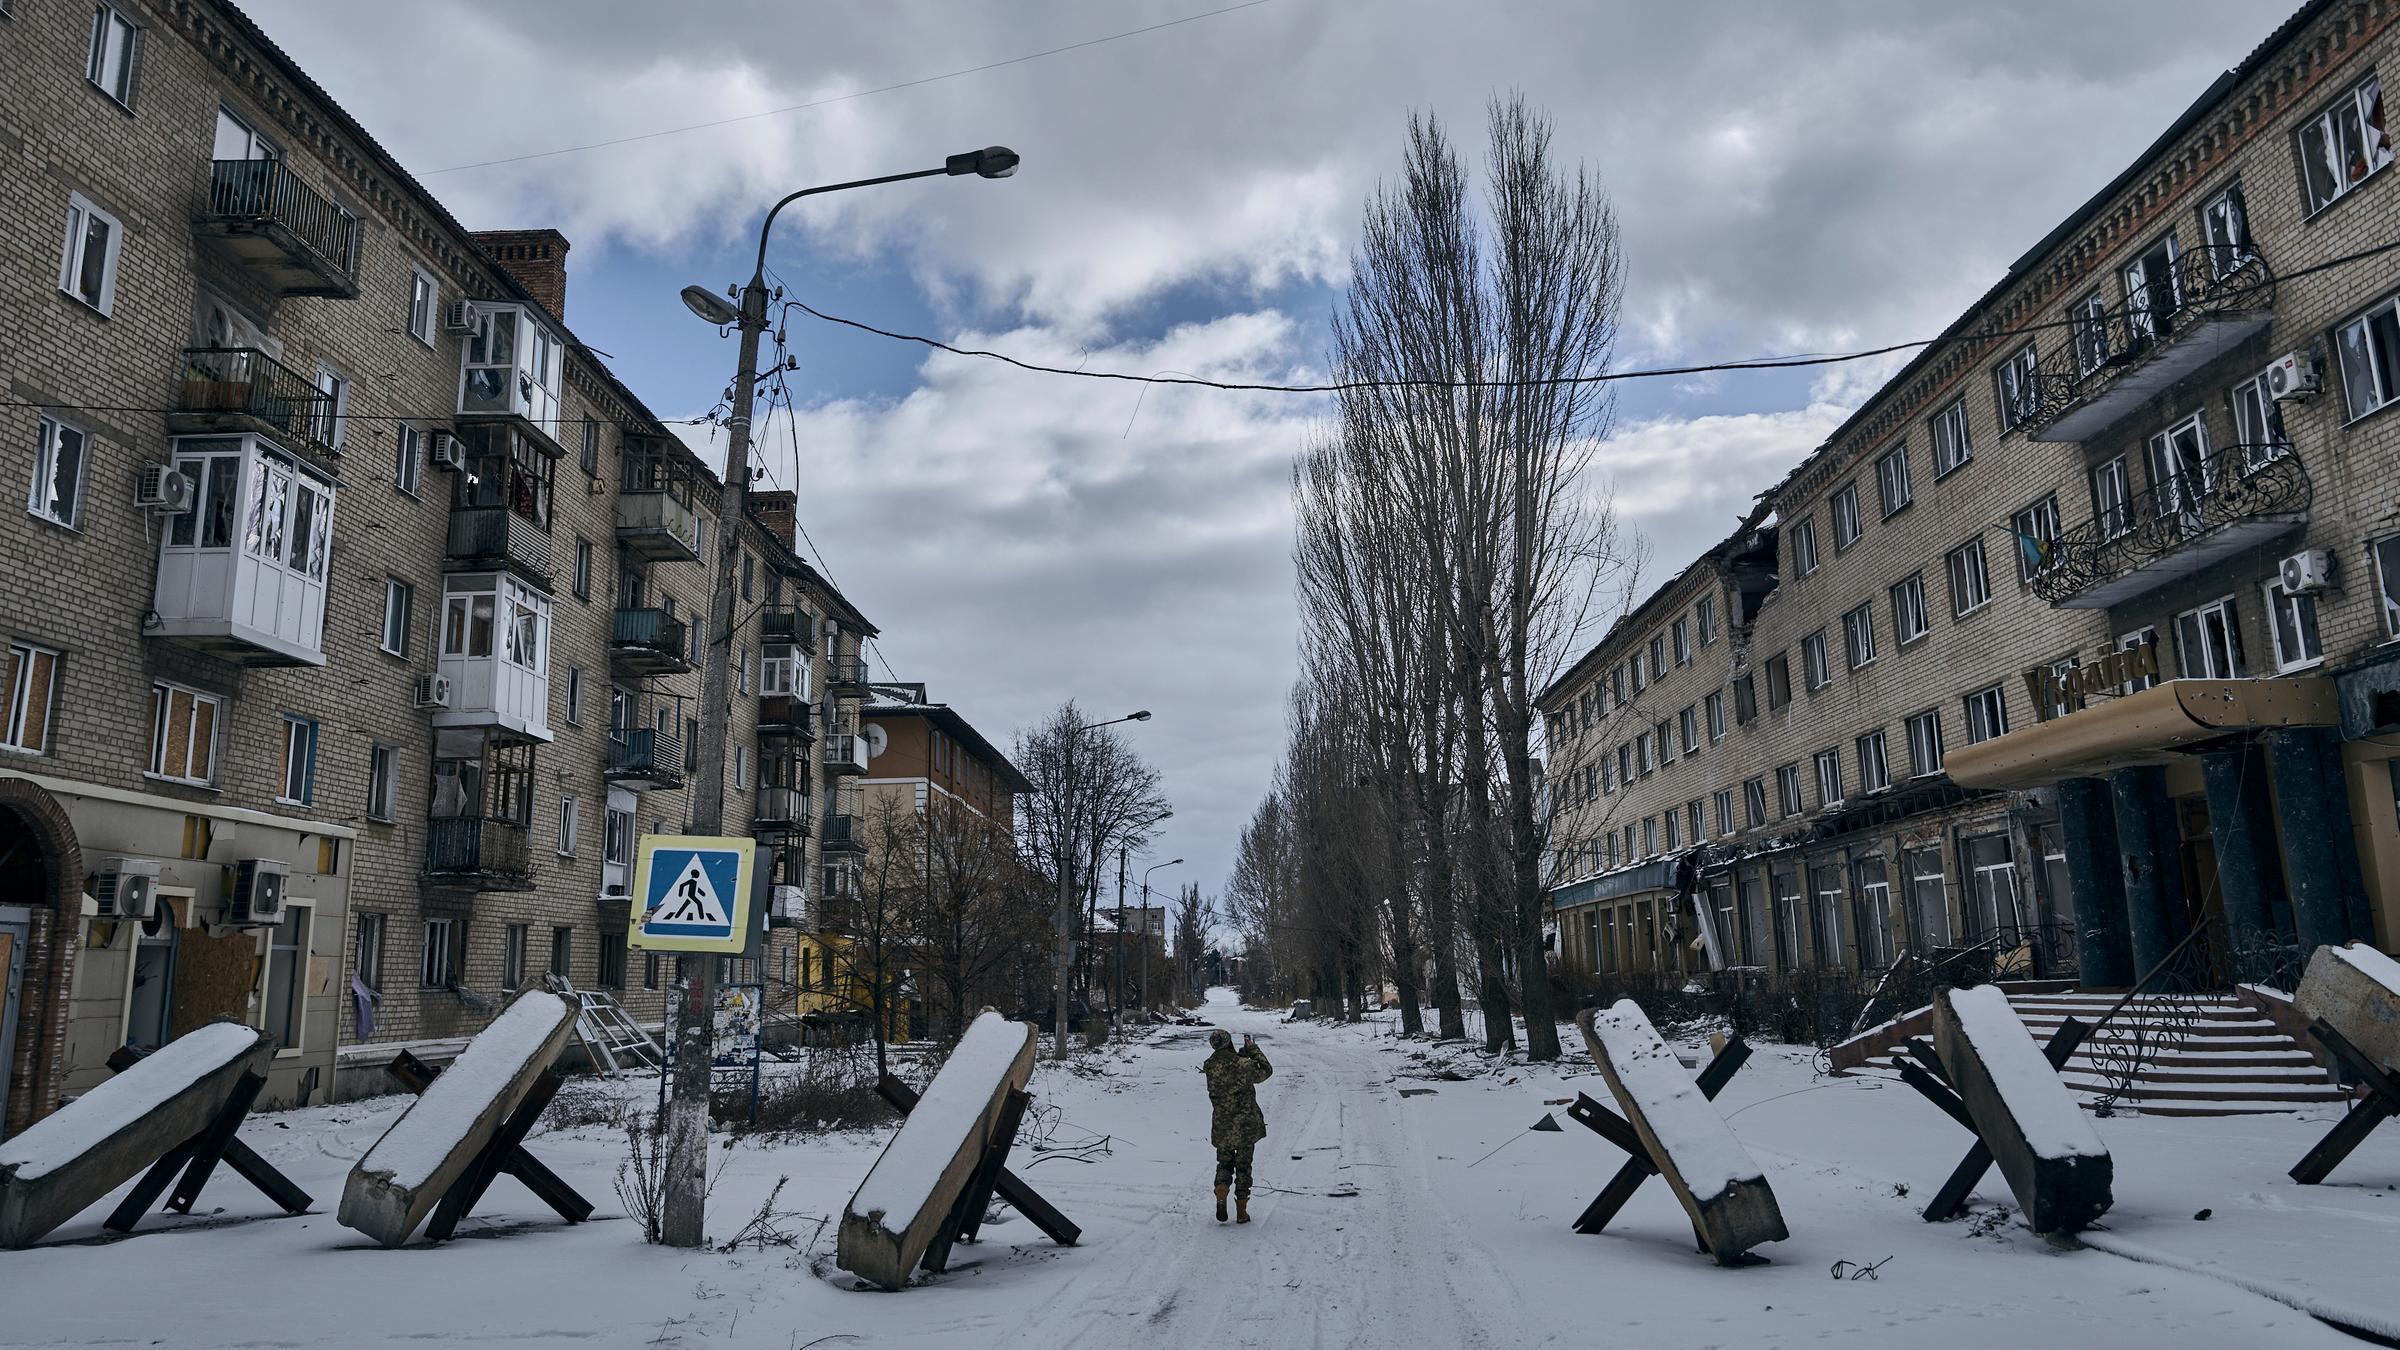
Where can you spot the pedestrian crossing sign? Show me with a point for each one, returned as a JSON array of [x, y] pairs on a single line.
[[694, 893]]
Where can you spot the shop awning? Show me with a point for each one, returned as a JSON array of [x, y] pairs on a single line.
[[2151, 727]]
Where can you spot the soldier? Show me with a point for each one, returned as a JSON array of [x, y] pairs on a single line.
[[1237, 1124]]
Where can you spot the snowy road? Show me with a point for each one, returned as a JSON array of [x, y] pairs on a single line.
[[1434, 1249]]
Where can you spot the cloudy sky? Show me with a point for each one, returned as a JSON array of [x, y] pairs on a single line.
[[1790, 178]]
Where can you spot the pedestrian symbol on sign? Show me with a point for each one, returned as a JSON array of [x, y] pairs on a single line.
[[693, 894]]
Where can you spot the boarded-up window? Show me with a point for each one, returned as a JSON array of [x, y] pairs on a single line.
[[183, 734], [32, 674]]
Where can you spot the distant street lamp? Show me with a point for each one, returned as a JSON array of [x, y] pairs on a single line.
[[1171, 862], [1065, 957], [683, 1219]]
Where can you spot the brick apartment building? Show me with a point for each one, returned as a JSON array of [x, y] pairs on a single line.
[[2081, 631], [355, 607]]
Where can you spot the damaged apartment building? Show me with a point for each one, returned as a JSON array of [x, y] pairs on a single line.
[[2082, 634], [359, 606]]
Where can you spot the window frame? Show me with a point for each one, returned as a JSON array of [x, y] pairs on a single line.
[[1986, 721], [367, 948], [422, 317], [1843, 506], [2112, 511], [107, 19], [81, 210], [570, 823], [2237, 659], [1714, 704], [1858, 634], [1911, 586], [399, 599], [2028, 523], [2384, 555], [1805, 557], [1928, 722], [439, 936], [42, 489], [1953, 418], [408, 460], [1972, 548], [1894, 490], [1880, 778], [2380, 357], [297, 761], [2013, 398], [1816, 662], [383, 782], [2357, 102], [1790, 801], [163, 694], [2307, 626], [23, 658], [1779, 681], [1827, 765]]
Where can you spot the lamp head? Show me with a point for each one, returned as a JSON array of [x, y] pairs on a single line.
[[992, 161], [1142, 716], [709, 305]]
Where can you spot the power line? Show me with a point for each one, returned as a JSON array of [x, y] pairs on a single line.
[[1603, 377], [844, 98]]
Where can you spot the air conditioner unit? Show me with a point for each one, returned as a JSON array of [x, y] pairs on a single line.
[[164, 489], [433, 691], [448, 451], [2293, 376], [127, 888], [459, 316], [2307, 571], [258, 887]]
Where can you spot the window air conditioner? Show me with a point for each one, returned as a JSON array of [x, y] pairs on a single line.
[[127, 888], [449, 452], [2307, 571], [433, 691], [2293, 376], [458, 317], [258, 886], [163, 488]]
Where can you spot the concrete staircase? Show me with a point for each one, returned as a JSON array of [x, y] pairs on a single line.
[[2199, 1055]]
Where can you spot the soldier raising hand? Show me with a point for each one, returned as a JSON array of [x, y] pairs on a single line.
[[1236, 1123]]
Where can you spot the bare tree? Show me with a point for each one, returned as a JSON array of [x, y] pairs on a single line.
[[1116, 804], [979, 912]]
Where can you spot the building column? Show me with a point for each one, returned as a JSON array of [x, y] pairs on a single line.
[[2312, 806], [2087, 827], [2240, 820], [2150, 859]]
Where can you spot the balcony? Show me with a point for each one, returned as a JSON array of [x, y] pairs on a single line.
[[288, 235], [786, 717], [2239, 498], [656, 517], [843, 834], [846, 676], [647, 642], [644, 760], [237, 390], [478, 854], [787, 907], [780, 810], [495, 650], [845, 756], [2203, 303], [782, 623], [488, 538]]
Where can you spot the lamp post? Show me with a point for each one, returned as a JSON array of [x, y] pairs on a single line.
[[683, 1220], [1064, 959], [1171, 862]]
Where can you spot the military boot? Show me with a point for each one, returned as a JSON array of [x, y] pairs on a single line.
[[1241, 1209], [1221, 1190]]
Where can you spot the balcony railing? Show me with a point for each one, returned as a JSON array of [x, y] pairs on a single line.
[[658, 525], [2236, 499], [244, 389], [494, 536], [843, 834], [648, 642], [847, 674], [641, 757], [783, 622], [2115, 358], [784, 715], [780, 810], [479, 853], [295, 238]]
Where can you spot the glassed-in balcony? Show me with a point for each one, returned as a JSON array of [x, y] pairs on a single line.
[[2205, 511], [845, 755], [495, 650], [649, 642], [225, 390], [478, 853], [241, 572], [2180, 310], [288, 235], [500, 505]]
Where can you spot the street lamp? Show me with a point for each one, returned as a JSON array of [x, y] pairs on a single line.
[[683, 1218], [1171, 862], [1064, 959]]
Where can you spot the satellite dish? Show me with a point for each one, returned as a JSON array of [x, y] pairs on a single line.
[[877, 739]]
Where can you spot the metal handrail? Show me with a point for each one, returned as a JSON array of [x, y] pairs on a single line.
[[650, 628], [2204, 280], [248, 382], [2238, 482], [267, 190]]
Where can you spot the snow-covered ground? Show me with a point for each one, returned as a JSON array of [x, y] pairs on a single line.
[[1376, 1225]]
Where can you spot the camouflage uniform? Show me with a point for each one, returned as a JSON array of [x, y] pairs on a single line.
[[1238, 1124]]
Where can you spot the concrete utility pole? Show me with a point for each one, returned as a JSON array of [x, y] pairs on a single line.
[[683, 1208], [1064, 958]]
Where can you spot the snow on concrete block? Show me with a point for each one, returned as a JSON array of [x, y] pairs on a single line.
[[1721, 1186], [2357, 990], [94, 1144], [909, 1192], [431, 1145], [2046, 1148]]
